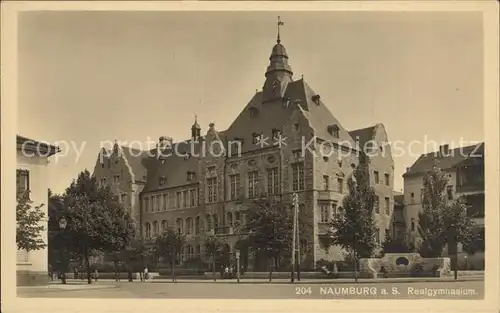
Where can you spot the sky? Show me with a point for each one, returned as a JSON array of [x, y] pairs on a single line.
[[90, 77]]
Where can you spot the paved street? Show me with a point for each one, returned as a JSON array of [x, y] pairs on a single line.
[[471, 289]]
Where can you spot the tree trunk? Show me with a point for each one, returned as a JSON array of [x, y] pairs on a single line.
[[87, 265], [173, 269], [213, 266], [270, 262]]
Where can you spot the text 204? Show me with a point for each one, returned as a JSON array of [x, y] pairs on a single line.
[[303, 290]]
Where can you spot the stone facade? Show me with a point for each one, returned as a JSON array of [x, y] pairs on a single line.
[[122, 169], [202, 194]]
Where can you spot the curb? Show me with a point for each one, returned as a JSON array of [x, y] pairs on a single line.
[[318, 282]]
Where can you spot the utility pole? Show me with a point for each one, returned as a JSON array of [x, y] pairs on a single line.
[[298, 240], [294, 234]]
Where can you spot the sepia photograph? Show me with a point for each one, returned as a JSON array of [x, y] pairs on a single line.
[[250, 154]]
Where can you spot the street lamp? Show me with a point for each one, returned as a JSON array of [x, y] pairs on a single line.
[[62, 226]]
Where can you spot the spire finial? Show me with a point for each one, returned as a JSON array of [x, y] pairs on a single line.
[[280, 23]]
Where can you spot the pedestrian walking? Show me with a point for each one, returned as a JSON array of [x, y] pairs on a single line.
[[117, 276]]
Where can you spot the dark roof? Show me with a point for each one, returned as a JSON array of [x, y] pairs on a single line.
[[399, 199], [43, 148], [134, 159], [445, 162], [364, 134]]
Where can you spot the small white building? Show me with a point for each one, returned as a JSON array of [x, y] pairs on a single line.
[[32, 160]]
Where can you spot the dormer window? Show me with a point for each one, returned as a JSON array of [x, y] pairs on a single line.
[[190, 176], [253, 111], [316, 99], [286, 103], [333, 130], [162, 180], [187, 156], [276, 134], [296, 154], [256, 138], [162, 161]]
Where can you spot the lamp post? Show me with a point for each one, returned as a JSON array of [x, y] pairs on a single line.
[[238, 265], [62, 226]]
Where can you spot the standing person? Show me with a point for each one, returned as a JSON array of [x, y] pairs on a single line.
[[75, 273], [117, 275], [146, 273], [96, 275], [130, 279]]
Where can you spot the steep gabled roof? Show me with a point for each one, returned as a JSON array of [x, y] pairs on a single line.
[[134, 159], [364, 134], [444, 162]]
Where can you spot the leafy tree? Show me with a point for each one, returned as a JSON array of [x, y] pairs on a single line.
[[270, 228], [354, 228], [214, 247], [168, 246], [29, 224], [96, 220], [441, 222], [397, 245]]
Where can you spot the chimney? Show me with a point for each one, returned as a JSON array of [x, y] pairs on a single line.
[[444, 150], [164, 142]]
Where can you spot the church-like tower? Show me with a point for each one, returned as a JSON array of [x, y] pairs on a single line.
[[279, 73]]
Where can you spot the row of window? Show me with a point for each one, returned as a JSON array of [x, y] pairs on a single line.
[[190, 226], [449, 195], [22, 181], [326, 184], [330, 209], [171, 200], [387, 177]]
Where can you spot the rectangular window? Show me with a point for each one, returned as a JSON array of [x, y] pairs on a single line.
[[165, 201], [276, 134], [153, 205], [387, 205], [158, 203], [340, 184], [103, 182], [326, 182], [377, 235], [386, 234], [234, 187], [162, 180], [297, 154], [256, 138], [272, 181], [190, 176], [212, 190], [334, 208], [192, 197], [377, 204], [298, 176], [449, 192], [375, 174], [124, 199], [178, 199], [116, 179], [22, 181], [146, 204], [253, 181], [387, 180], [325, 213], [185, 197]]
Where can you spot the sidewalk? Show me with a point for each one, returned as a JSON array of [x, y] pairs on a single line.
[[72, 285]]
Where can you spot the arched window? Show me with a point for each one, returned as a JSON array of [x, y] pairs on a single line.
[[230, 218], [164, 225], [209, 223], [190, 255], [179, 224], [197, 225], [148, 230], [189, 225], [156, 229]]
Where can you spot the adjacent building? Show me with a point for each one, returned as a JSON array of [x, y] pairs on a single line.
[[122, 170], [284, 141], [31, 175], [464, 168]]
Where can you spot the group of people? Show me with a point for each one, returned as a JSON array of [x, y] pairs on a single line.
[[230, 271], [80, 274]]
